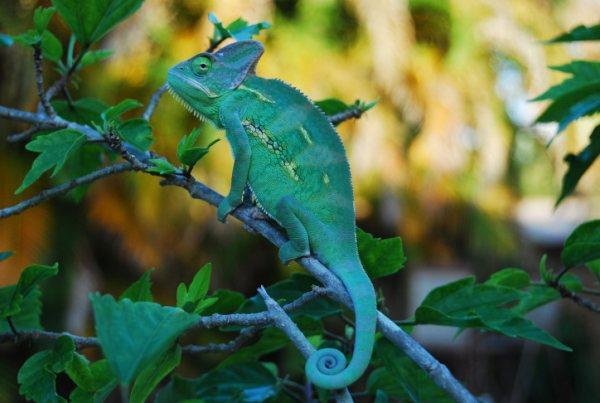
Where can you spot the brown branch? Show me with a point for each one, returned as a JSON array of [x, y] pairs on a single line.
[[64, 79], [64, 188], [578, 299], [39, 79], [154, 101], [354, 112]]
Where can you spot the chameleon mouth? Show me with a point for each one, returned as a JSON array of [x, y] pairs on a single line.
[[185, 104]]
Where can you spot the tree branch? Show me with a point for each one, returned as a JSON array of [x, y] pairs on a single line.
[[335, 289], [64, 188], [578, 299], [64, 79], [284, 323], [355, 112], [154, 101], [39, 79], [30, 117], [26, 134], [438, 372]]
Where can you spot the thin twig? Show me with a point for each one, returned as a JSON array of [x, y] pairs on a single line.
[[562, 273], [590, 291], [39, 79], [24, 135], [64, 188], [13, 329], [283, 322], [115, 143], [64, 79], [245, 335], [353, 112], [154, 101], [579, 300]]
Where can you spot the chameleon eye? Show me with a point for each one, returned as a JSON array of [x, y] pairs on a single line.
[[201, 65]]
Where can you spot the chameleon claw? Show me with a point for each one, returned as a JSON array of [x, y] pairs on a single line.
[[224, 209]]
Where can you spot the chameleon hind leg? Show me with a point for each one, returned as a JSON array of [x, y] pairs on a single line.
[[291, 216]]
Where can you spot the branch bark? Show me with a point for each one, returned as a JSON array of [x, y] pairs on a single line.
[[39, 80], [64, 188], [335, 289]]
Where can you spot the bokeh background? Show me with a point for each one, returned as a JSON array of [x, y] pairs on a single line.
[[449, 160]]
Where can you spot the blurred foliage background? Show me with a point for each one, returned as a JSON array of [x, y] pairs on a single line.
[[449, 160]]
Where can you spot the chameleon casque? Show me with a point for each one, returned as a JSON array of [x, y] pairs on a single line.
[[290, 157]]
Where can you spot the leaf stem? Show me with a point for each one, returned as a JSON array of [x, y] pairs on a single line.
[[12, 326]]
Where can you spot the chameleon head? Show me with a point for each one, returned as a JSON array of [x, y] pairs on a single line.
[[198, 81]]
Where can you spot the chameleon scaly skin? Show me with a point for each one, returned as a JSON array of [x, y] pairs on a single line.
[[293, 161]]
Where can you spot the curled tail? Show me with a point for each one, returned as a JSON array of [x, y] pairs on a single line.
[[327, 368]]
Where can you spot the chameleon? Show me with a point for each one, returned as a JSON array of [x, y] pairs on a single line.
[[289, 158]]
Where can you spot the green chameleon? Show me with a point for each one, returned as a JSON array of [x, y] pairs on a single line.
[[292, 161]]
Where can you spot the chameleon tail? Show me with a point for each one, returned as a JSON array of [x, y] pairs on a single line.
[[327, 368]]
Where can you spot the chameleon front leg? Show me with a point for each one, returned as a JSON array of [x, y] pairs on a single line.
[[238, 139]]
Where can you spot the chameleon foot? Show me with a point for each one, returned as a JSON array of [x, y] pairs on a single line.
[[288, 252], [225, 208]]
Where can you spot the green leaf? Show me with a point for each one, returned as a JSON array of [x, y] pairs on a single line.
[[137, 132], [271, 340], [30, 309], [29, 37], [37, 376], [594, 267], [86, 160], [6, 40], [535, 296], [114, 112], [243, 382], [583, 245], [380, 257], [228, 301], [381, 396], [287, 291], [95, 389], [514, 278], [140, 290], [161, 166], [51, 47], [575, 97], [579, 164], [54, 148], [192, 299], [29, 279], [239, 29], [150, 377], [187, 153], [41, 18], [6, 255], [94, 56], [508, 323], [545, 273], [571, 282], [405, 380], [85, 111], [91, 20], [37, 381], [485, 306], [579, 33], [200, 283], [332, 106], [133, 334], [78, 369]]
